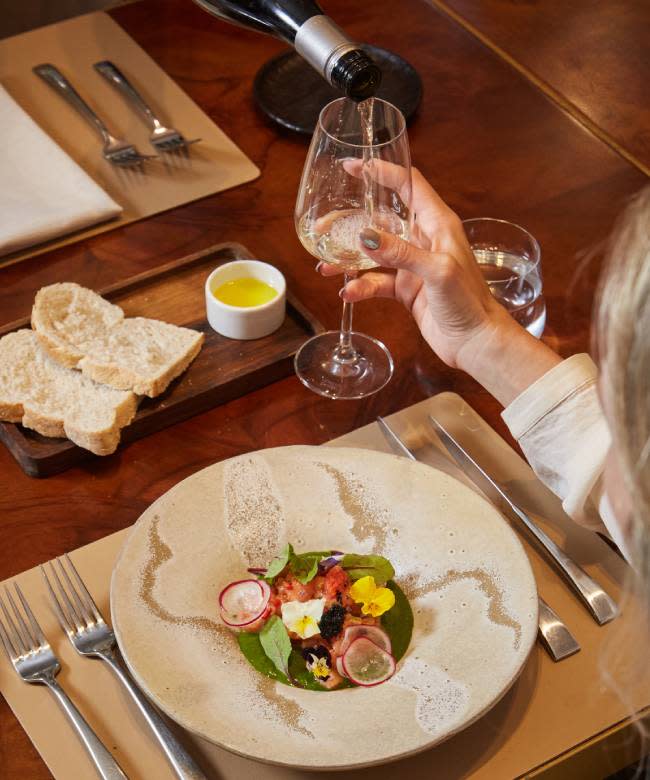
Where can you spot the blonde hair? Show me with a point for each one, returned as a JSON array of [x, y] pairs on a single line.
[[623, 333], [622, 336]]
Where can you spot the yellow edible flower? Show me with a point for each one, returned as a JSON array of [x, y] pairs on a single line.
[[375, 601]]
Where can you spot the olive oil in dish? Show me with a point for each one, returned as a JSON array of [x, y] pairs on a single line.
[[245, 292]]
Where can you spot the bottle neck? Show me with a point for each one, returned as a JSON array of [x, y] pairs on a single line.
[[315, 36], [341, 62], [321, 42]]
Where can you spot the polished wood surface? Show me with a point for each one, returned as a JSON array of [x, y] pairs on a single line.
[[488, 139], [593, 55], [224, 368]]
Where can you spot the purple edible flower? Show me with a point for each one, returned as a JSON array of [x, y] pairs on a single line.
[[328, 563]]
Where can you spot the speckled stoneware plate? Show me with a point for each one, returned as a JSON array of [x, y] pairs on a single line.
[[468, 578]]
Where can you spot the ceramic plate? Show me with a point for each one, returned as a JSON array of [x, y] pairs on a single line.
[[471, 588]]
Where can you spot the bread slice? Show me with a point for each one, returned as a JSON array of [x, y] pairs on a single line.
[[53, 400], [81, 330], [68, 317]]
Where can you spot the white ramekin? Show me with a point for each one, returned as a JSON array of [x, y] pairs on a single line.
[[245, 322]]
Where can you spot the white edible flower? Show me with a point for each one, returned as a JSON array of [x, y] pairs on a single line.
[[301, 617]]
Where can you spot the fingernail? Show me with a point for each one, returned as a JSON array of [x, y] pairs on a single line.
[[319, 265], [370, 238]]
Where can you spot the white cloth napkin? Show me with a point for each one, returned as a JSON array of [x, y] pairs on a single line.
[[43, 192]]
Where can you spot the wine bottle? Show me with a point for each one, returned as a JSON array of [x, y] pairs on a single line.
[[314, 35]]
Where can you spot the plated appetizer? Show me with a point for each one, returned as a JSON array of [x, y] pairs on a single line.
[[320, 620]]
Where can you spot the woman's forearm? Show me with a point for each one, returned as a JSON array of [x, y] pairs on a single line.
[[506, 359]]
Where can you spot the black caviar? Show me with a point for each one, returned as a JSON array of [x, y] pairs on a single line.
[[331, 622]]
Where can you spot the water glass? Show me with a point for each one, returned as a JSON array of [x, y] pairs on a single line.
[[510, 260]]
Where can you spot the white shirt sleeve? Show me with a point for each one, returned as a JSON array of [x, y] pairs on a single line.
[[561, 428]]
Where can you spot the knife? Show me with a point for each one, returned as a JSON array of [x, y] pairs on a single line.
[[556, 638], [600, 604]]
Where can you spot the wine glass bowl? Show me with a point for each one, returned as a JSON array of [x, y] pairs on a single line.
[[357, 175]]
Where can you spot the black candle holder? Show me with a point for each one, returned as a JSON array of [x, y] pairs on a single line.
[[291, 93]]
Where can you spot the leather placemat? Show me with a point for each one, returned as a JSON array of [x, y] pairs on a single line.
[[549, 710], [212, 165]]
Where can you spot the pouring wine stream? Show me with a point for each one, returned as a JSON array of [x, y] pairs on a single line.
[[346, 352]]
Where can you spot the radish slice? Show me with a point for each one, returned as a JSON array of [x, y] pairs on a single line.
[[373, 633], [339, 667], [367, 664], [243, 602]]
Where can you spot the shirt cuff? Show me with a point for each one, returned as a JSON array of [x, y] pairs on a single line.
[[548, 392]]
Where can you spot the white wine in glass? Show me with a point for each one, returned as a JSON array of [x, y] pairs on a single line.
[[357, 175]]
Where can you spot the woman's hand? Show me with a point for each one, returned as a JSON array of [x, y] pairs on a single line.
[[438, 280]]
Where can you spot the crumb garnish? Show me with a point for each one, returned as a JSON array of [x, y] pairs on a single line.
[[497, 612]]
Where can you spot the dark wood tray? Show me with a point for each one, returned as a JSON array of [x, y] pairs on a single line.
[[223, 370]]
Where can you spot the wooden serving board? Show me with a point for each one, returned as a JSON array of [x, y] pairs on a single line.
[[224, 369]]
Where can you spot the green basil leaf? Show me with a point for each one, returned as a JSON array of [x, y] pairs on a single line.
[[253, 651], [279, 562], [358, 566], [276, 644], [305, 566]]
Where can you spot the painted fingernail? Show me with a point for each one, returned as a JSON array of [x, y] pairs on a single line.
[[370, 238]]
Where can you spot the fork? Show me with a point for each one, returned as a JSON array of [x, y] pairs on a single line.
[[91, 636], [163, 139], [115, 150], [555, 637], [34, 661]]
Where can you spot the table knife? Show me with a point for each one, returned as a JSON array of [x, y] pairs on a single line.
[[556, 638], [602, 607]]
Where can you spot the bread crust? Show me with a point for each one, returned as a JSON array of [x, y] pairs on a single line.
[[122, 378], [100, 442], [37, 381], [57, 346], [57, 352]]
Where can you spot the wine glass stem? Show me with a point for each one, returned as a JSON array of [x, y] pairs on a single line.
[[345, 352]]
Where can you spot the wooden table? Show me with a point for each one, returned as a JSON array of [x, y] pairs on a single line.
[[589, 58], [491, 142]]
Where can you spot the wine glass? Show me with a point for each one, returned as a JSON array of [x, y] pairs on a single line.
[[357, 174]]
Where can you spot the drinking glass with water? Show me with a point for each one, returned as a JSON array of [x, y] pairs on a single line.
[[510, 260]]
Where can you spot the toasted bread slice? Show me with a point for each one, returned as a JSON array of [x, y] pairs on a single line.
[[43, 395], [81, 330]]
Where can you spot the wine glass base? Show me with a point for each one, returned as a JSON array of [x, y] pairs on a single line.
[[322, 368]]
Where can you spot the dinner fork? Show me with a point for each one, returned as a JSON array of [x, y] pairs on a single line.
[[34, 660], [115, 150], [556, 638], [91, 636], [164, 139]]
